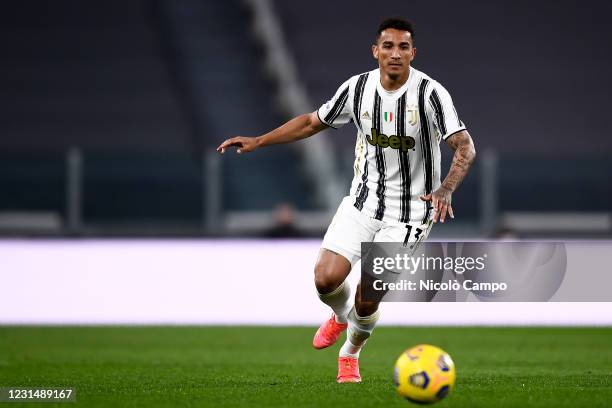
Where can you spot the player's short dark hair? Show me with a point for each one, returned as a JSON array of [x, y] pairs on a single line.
[[398, 24]]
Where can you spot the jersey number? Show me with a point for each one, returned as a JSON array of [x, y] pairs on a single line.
[[417, 234]]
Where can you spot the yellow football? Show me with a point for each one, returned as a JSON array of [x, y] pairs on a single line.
[[424, 374]]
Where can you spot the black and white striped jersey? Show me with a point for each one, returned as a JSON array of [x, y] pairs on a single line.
[[397, 154]]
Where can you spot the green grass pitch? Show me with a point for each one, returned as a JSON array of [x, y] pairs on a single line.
[[277, 367]]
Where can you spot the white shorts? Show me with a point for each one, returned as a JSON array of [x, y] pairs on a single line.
[[350, 227]]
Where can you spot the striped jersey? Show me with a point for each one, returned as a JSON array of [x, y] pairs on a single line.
[[397, 153]]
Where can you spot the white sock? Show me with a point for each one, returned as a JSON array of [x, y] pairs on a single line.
[[358, 332], [339, 300], [348, 349]]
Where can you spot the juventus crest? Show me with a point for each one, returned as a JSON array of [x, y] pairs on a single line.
[[413, 116]]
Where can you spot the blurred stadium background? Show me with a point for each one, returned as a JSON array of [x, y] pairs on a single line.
[[111, 112], [115, 208]]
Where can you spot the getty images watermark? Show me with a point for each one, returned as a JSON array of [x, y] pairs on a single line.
[[411, 264], [486, 271]]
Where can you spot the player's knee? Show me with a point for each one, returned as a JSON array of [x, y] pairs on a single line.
[[326, 280]]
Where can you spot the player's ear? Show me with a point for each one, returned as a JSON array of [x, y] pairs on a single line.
[[375, 51]]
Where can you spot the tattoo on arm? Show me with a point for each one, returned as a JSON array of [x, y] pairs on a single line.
[[465, 153]]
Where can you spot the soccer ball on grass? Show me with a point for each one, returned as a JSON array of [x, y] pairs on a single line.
[[424, 374]]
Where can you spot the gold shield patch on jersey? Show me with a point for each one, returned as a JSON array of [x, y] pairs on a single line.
[[413, 115]]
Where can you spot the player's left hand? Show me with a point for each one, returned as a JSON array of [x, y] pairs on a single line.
[[441, 203]]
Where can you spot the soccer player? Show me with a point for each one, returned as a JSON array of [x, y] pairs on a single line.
[[401, 115]]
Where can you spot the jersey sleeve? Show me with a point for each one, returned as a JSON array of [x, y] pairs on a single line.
[[442, 113], [336, 112]]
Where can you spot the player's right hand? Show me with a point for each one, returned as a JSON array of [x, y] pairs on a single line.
[[244, 144]]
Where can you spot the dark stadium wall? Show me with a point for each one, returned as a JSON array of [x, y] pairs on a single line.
[[527, 77]]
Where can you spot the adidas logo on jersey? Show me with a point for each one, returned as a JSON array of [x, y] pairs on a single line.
[[404, 143], [365, 115]]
